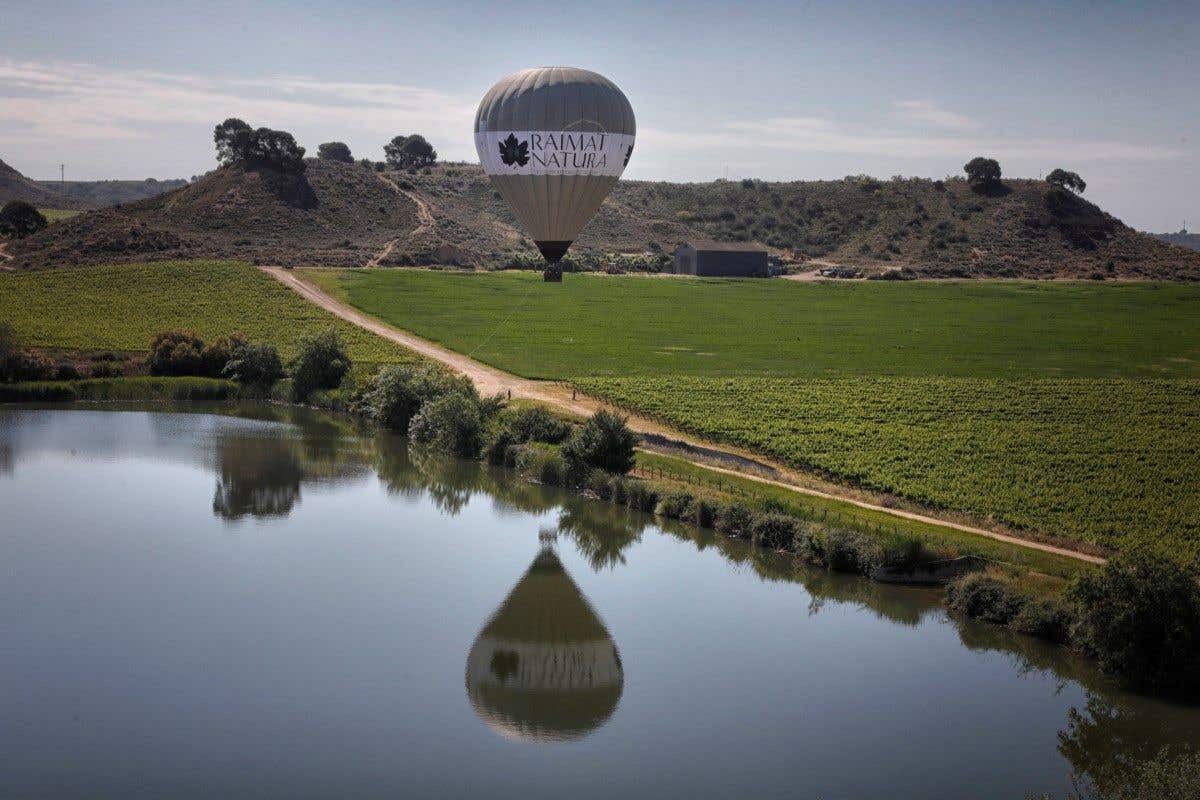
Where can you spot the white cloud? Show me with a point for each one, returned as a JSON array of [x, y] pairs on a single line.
[[57, 101], [927, 114]]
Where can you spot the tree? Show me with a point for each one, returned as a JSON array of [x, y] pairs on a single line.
[[256, 365], [321, 364], [407, 152], [603, 442], [1067, 180], [20, 219], [1140, 617], [335, 151], [232, 138], [276, 150], [982, 171], [237, 143], [452, 423]]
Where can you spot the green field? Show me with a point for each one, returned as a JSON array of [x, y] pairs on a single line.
[[1070, 409], [637, 325], [122, 307], [55, 214]]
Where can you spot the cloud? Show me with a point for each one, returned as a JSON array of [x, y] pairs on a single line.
[[925, 113], [780, 135], [62, 100]]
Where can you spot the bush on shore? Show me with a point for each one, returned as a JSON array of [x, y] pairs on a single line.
[[255, 365], [1140, 617], [603, 442], [321, 364], [451, 423], [987, 597], [398, 392]]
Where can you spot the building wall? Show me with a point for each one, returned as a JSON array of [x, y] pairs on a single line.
[[731, 264]]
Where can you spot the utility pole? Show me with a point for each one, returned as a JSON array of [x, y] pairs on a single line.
[[62, 173]]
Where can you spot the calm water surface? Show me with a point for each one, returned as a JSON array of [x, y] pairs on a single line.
[[274, 604]]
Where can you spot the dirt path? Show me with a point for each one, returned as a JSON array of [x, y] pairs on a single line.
[[426, 225], [490, 380], [5, 258]]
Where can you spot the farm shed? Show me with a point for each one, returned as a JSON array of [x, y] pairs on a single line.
[[721, 259]]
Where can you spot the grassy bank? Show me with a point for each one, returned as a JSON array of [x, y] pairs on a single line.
[[678, 473], [121, 307], [129, 389]]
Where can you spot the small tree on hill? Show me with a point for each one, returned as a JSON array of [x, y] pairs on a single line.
[[20, 219], [1067, 180], [408, 152], [232, 138], [237, 143], [335, 151], [982, 171]]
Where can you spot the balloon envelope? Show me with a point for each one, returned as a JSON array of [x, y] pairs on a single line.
[[554, 141]]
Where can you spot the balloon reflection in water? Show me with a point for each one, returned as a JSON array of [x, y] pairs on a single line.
[[544, 668]]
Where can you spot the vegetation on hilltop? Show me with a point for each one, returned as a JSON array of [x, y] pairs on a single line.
[[342, 214]]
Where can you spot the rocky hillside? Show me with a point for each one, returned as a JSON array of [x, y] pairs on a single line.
[[78, 195], [347, 214]]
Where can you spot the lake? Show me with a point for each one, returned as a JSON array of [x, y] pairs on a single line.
[[263, 602]]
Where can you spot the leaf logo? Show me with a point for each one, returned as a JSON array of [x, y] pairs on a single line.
[[513, 152], [628, 153]]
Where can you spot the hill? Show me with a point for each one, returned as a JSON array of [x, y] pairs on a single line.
[[78, 195], [350, 215], [15, 186], [1183, 239]]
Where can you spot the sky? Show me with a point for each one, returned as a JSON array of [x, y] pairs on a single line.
[[770, 90]]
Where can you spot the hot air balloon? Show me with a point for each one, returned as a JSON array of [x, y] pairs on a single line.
[[544, 668], [554, 141]]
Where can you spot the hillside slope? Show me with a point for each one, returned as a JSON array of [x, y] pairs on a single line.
[[349, 215], [334, 214], [78, 195]]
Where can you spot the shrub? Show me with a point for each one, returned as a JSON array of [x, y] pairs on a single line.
[[775, 531], [735, 520], [641, 496], [66, 371], [1067, 180], [335, 151], [215, 356], [8, 341], [982, 596], [1140, 617], [701, 511], [902, 552], [542, 463], [408, 152], [27, 365], [599, 483], [982, 171], [105, 369], [850, 551], [496, 444], [19, 219], [537, 424], [673, 505], [256, 365], [1049, 619], [603, 442], [175, 353], [620, 489], [321, 364], [451, 423], [400, 391]]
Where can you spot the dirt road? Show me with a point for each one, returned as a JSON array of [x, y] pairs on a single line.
[[426, 225], [5, 258], [490, 380]]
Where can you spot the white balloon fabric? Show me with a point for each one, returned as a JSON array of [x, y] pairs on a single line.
[[554, 141]]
